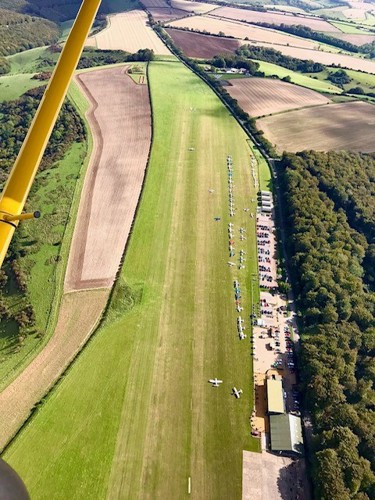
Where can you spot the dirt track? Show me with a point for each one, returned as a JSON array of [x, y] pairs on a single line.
[[121, 123], [79, 313]]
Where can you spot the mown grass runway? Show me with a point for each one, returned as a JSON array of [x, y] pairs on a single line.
[[135, 417]]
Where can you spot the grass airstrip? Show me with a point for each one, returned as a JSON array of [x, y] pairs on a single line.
[[135, 417]]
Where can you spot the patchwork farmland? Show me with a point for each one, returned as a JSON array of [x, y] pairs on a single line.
[[349, 126], [258, 96], [202, 46], [273, 18], [241, 31], [138, 397]]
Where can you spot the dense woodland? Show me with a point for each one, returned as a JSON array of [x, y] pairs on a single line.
[[21, 32], [15, 118], [329, 205]]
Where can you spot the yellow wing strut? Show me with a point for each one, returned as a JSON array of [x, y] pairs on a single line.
[[21, 177]]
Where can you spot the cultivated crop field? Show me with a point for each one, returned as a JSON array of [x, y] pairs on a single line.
[[239, 30], [327, 58], [202, 46], [349, 126], [128, 31], [135, 412], [273, 18], [122, 135], [259, 96]]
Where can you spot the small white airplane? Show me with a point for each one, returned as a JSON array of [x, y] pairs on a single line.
[[242, 336], [231, 264], [239, 308], [240, 320], [237, 393], [230, 224], [215, 382]]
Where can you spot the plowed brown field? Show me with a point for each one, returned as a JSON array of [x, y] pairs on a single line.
[[128, 31], [273, 18], [349, 126], [121, 122], [202, 46], [259, 96], [79, 313], [239, 30]]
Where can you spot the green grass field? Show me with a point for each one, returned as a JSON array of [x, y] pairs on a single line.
[[13, 86], [26, 61], [135, 416], [298, 78], [350, 28]]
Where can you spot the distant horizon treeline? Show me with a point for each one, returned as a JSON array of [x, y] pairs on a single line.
[[329, 203]]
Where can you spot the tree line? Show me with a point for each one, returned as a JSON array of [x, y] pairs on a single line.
[[329, 228], [306, 32], [21, 32]]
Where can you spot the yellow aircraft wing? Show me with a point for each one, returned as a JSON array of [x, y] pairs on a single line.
[[21, 177]]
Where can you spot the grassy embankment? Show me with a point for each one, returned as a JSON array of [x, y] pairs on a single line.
[[19, 80], [351, 28], [298, 78], [135, 416], [56, 194]]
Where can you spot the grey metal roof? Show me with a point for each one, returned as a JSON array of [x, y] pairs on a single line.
[[286, 433]]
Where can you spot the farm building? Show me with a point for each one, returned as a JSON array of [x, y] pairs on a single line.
[[286, 434], [275, 396]]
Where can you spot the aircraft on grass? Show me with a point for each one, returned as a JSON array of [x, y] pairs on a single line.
[[236, 392], [215, 382]]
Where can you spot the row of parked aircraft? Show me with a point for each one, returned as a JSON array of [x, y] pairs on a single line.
[[216, 383]]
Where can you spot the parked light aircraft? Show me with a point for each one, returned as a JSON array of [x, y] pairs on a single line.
[[215, 382], [236, 392]]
